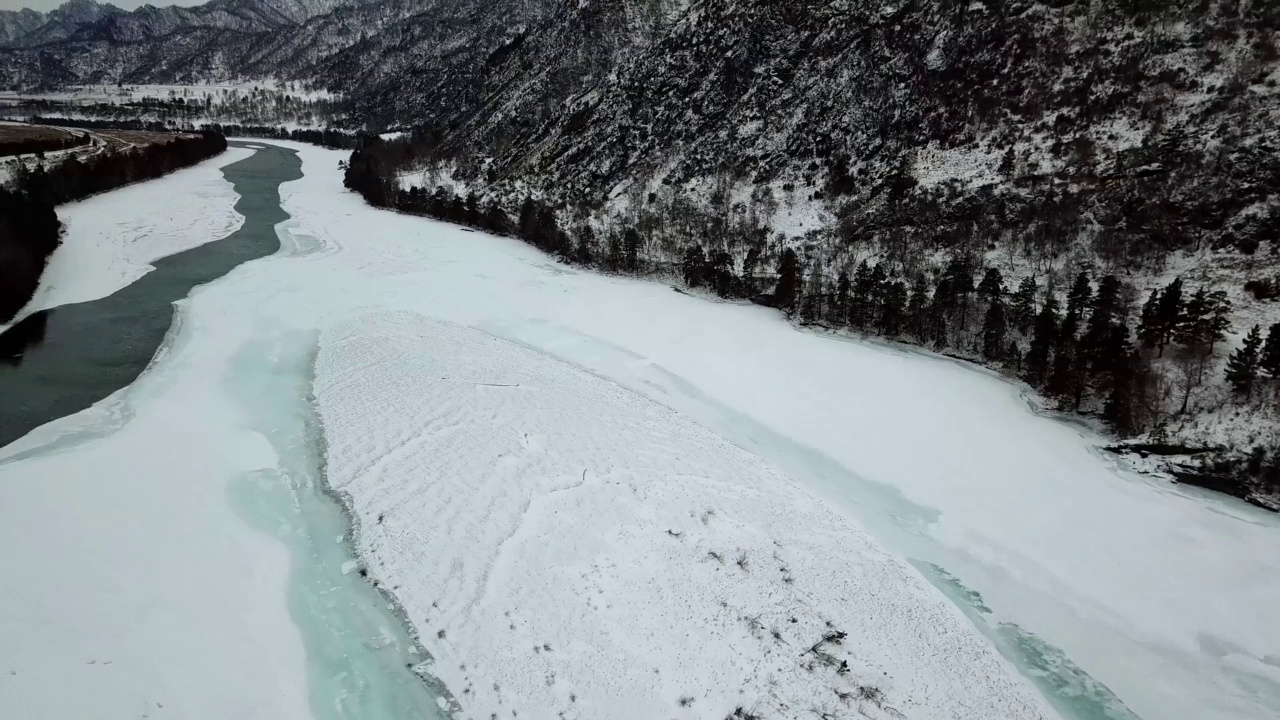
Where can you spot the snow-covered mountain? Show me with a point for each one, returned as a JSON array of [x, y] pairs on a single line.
[[81, 26], [17, 24]]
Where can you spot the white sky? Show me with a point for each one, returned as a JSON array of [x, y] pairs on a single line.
[[47, 5]]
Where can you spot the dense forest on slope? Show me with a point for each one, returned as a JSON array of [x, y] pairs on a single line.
[[29, 225]]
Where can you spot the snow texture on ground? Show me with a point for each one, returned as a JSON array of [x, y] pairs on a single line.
[[111, 239], [572, 549]]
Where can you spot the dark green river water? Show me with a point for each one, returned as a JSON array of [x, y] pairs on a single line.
[[58, 362]]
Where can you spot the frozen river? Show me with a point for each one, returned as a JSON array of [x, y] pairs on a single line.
[[196, 492]]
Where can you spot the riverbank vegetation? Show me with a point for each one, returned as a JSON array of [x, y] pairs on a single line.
[[29, 225]]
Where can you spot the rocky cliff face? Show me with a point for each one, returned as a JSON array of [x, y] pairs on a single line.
[[15, 25]]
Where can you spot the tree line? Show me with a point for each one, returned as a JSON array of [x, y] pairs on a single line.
[[29, 225], [325, 137]]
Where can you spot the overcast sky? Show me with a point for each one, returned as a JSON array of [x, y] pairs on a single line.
[[46, 5]]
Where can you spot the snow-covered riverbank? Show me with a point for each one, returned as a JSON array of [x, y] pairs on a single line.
[[111, 239], [1166, 600]]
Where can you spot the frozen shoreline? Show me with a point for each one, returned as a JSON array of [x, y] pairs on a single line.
[[112, 238]]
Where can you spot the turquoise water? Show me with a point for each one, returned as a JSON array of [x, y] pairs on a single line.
[[362, 665], [1068, 688]]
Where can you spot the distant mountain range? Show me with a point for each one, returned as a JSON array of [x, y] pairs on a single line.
[[88, 42], [84, 21]]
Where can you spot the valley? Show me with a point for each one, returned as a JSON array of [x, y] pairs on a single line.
[[633, 359], [419, 346]]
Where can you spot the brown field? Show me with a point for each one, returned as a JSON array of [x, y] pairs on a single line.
[[107, 139], [18, 133], [11, 134], [137, 138]]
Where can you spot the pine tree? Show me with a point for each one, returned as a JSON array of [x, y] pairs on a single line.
[[788, 281], [918, 308], [750, 262], [631, 248], [471, 210], [1068, 329], [693, 266], [993, 329], [1043, 338], [893, 311], [1193, 329], [1062, 371], [1149, 325], [528, 218], [1242, 365], [878, 282], [1219, 313], [811, 305], [959, 278], [1080, 295], [1014, 355], [859, 304], [545, 228], [495, 219], [1169, 313], [1118, 409], [840, 309], [1067, 375], [1095, 346], [585, 253], [992, 285], [613, 256], [1270, 361], [720, 272], [1023, 307]]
